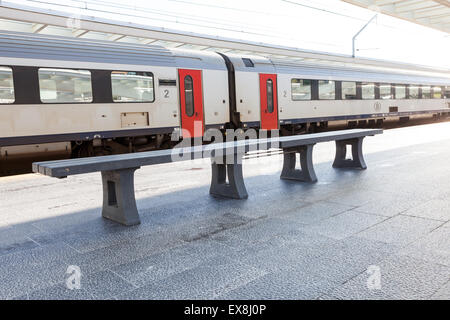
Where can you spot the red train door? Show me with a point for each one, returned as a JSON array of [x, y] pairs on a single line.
[[269, 101], [191, 102]]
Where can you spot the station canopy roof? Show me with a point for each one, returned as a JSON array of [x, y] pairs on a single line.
[[430, 13], [31, 19]]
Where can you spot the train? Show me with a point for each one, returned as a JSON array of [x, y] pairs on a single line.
[[68, 97]]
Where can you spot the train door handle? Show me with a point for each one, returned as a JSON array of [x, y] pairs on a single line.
[[266, 111], [196, 114]]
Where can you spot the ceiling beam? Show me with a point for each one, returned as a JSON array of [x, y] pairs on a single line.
[[115, 37], [429, 13], [38, 27], [79, 33], [443, 2]]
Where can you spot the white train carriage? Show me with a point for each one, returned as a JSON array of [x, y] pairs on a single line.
[[65, 97], [306, 93], [58, 93]]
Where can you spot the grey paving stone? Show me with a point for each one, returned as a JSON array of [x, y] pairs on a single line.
[[207, 227], [17, 244], [124, 252], [342, 260], [433, 247], [26, 278], [206, 281], [354, 197], [57, 292], [401, 278], [390, 205], [343, 225], [39, 255], [28, 270], [17, 237], [284, 285], [400, 230], [438, 209], [167, 263], [316, 212], [259, 230], [101, 285], [105, 285], [301, 239], [326, 297], [285, 253], [443, 293]]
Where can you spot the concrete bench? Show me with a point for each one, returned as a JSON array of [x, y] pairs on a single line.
[[119, 203]]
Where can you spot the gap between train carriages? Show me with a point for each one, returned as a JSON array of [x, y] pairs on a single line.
[[119, 203]]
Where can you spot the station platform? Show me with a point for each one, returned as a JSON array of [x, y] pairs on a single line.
[[381, 233]]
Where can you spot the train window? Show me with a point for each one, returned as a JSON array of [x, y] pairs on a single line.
[[300, 89], [269, 87], [385, 91], [368, 90], [132, 86], [6, 85], [437, 92], [65, 85], [327, 90], [413, 92], [447, 92], [426, 92], [248, 62], [348, 90], [189, 96], [400, 91]]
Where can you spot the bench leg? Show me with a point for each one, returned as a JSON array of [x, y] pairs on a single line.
[[341, 150], [119, 203], [306, 173], [235, 187]]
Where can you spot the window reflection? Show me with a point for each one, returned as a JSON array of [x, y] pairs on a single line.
[[385, 91], [348, 90], [300, 89], [6, 85], [414, 92], [189, 96], [327, 90], [64, 85], [132, 86], [368, 90], [400, 92]]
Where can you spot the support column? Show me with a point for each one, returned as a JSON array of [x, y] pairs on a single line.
[[119, 203], [341, 150], [235, 187], [306, 172]]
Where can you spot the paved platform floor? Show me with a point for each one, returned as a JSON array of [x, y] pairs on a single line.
[[382, 233]]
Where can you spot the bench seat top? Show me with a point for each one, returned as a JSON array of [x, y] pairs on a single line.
[[63, 168]]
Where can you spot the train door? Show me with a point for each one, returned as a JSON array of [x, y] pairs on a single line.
[[191, 102], [269, 101]]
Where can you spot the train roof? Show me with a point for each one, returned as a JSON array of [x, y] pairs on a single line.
[[37, 46], [33, 46], [337, 70]]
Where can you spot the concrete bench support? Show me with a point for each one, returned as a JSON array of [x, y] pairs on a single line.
[[119, 203], [306, 173], [235, 187], [341, 151]]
